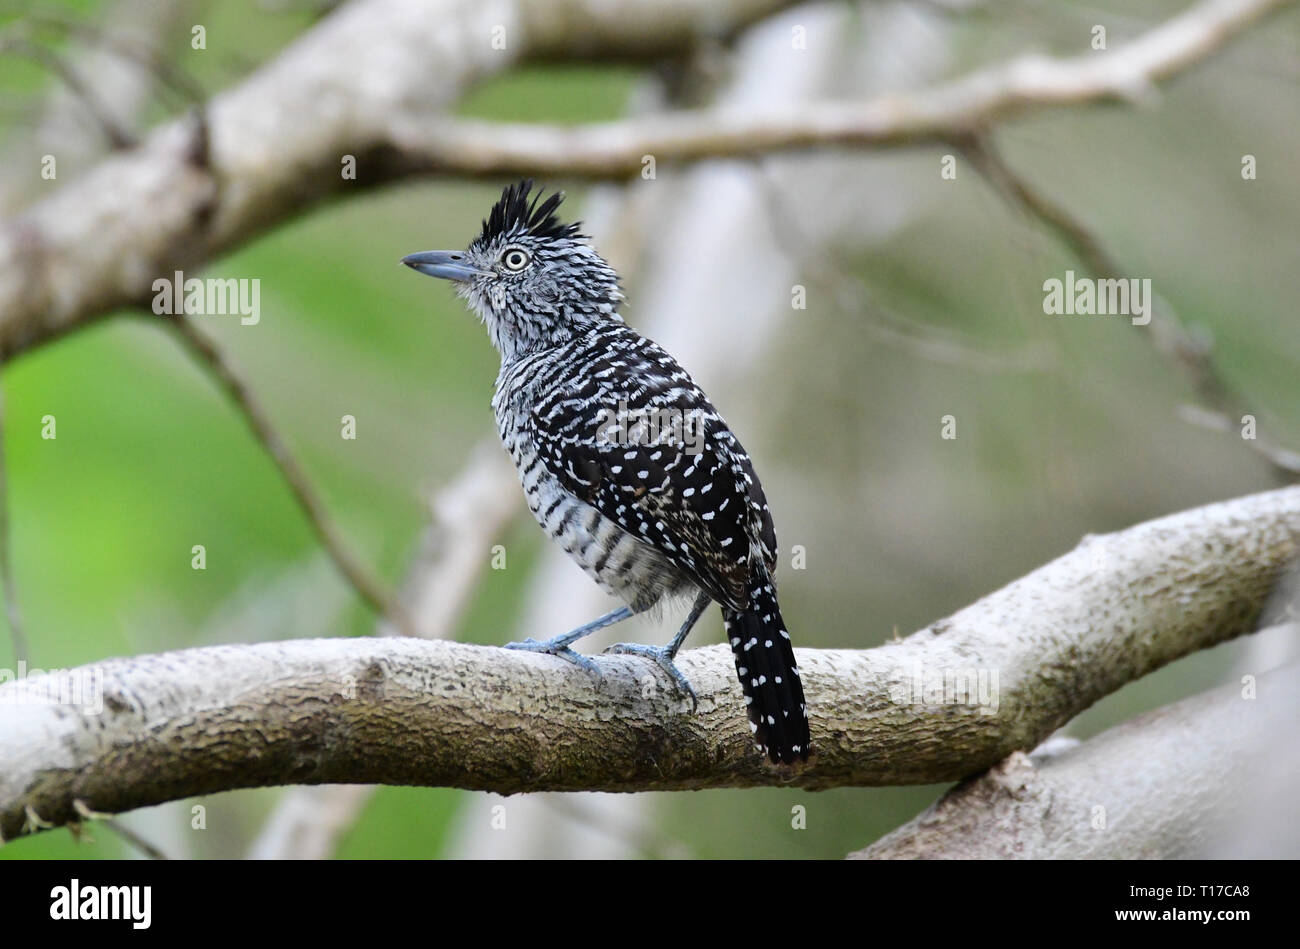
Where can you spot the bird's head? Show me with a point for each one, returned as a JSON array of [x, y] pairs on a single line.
[[532, 280]]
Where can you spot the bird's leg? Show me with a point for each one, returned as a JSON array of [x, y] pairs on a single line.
[[663, 656], [559, 646]]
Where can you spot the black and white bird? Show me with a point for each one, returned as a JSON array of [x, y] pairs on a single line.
[[624, 461]]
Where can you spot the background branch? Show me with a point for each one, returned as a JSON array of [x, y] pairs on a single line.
[[467, 516], [98, 243], [1191, 353], [1162, 786], [368, 586], [116, 135], [125, 55], [995, 94]]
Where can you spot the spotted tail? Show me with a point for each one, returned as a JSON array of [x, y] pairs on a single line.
[[768, 674]]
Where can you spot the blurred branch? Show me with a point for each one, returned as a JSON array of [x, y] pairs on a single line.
[[140, 31], [135, 840], [1157, 787], [1188, 351], [1286, 463], [98, 243], [116, 135], [466, 517], [617, 149], [941, 345], [308, 822], [144, 55], [637, 838], [108, 820], [368, 586], [405, 711]]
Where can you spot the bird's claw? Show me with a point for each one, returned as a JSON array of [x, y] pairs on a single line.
[[660, 656], [557, 647]]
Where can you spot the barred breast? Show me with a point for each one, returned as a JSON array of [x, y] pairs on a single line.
[[622, 565]]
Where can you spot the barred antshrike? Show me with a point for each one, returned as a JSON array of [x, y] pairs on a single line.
[[624, 461]]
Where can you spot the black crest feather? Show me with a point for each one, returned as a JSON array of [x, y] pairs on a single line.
[[514, 212]]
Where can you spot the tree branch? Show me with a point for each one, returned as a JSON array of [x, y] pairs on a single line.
[[1222, 404], [616, 149], [277, 140], [1161, 786], [401, 711], [99, 242], [367, 585], [114, 132], [466, 517]]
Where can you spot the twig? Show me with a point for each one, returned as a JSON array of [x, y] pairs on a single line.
[[1170, 337], [143, 55], [84, 813], [466, 516], [1282, 459], [118, 137], [135, 840], [171, 77], [367, 585], [933, 344]]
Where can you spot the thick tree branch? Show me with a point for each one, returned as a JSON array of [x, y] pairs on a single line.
[[370, 82], [401, 711], [1162, 786], [274, 144]]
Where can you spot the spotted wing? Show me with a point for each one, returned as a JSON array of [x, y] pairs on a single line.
[[637, 439]]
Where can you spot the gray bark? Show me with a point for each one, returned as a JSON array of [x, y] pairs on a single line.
[[1168, 785], [399, 711]]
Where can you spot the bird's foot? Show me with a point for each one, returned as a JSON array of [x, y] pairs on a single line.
[[663, 658], [559, 646]]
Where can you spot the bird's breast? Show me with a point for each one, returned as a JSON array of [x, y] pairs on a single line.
[[620, 563]]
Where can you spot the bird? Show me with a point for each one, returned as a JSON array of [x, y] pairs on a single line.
[[624, 461]]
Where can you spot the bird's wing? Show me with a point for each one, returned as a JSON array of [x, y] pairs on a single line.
[[648, 450]]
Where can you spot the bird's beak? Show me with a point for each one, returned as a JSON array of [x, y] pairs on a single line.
[[447, 264]]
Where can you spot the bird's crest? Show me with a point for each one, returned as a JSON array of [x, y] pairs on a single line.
[[515, 213]]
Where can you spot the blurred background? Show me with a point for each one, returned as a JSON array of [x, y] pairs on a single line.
[[923, 299]]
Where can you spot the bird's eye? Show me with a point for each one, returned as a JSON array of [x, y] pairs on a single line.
[[515, 259]]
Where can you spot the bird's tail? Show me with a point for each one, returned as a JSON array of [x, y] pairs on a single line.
[[768, 674]]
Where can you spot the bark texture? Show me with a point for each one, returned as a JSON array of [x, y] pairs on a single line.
[[947, 702]]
